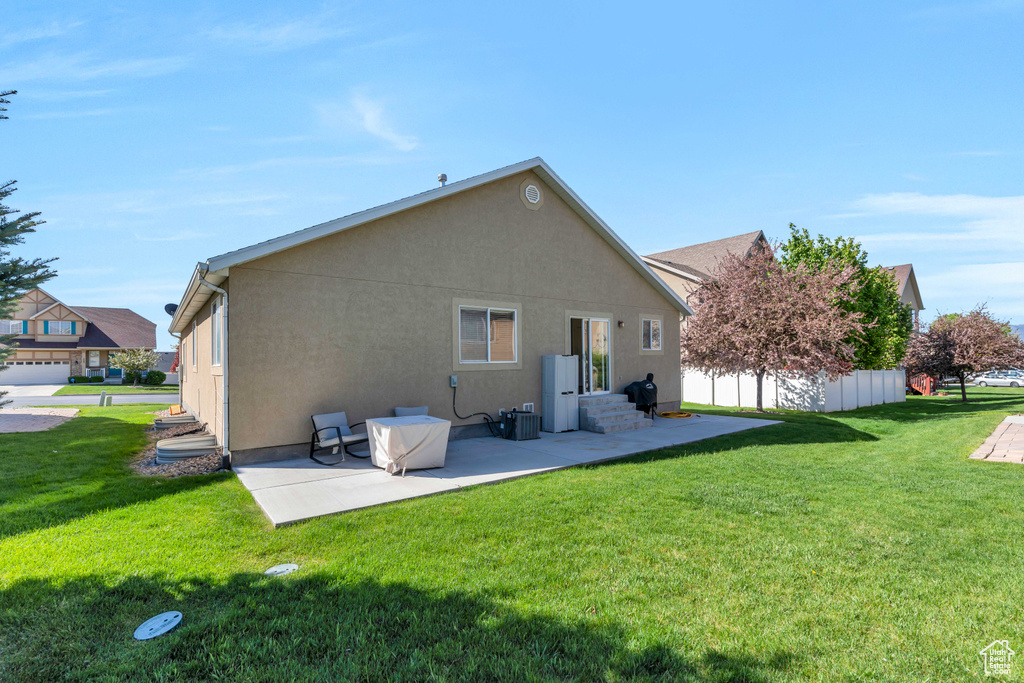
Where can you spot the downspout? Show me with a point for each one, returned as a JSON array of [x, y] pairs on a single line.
[[224, 340]]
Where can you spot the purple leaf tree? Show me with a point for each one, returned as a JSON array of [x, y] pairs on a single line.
[[962, 344], [755, 316]]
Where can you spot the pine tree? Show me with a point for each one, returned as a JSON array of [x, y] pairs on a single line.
[[17, 275]]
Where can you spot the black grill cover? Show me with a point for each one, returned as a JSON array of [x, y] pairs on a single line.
[[643, 393]]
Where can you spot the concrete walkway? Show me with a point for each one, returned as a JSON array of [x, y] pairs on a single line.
[[293, 490], [1006, 443]]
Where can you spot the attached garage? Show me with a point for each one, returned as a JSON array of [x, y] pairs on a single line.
[[35, 372]]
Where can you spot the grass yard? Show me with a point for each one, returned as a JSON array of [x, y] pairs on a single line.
[[95, 389], [852, 546]]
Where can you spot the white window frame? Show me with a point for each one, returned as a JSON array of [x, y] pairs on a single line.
[[515, 327], [88, 359], [661, 329], [10, 325], [216, 332], [69, 323], [192, 344]]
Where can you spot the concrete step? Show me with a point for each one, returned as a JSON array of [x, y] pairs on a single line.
[[601, 408], [623, 426], [629, 415], [601, 399]]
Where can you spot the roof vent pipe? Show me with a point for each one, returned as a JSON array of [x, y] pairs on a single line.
[[442, 178]]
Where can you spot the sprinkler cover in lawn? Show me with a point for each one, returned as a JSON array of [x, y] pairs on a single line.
[[158, 625], [281, 569]]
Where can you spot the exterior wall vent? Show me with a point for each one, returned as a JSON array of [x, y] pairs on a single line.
[[532, 194]]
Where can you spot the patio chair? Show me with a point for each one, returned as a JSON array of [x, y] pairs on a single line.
[[333, 431], [407, 412]]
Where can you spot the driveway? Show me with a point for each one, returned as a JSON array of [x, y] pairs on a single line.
[[29, 390]]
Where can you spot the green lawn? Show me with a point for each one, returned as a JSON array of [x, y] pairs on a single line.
[[858, 546], [77, 389]]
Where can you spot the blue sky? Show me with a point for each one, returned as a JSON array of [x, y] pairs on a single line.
[[152, 137]]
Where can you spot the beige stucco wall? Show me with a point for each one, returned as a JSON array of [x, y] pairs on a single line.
[[362, 320], [202, 385]]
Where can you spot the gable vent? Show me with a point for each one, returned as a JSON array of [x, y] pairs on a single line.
[[532, 194]]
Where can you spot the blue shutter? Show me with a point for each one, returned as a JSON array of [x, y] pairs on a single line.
[[73, 325], [24, 327], [46, 327]]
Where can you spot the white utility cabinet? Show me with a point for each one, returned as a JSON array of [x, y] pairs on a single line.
[[560, 401]]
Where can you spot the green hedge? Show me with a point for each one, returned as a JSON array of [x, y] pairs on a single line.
[[78, 379], [154, 377]]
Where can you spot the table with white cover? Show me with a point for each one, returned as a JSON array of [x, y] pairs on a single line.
[[414, 442]]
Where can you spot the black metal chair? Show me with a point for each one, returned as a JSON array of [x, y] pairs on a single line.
[[333, 431]]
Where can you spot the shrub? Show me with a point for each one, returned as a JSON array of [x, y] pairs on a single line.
[[130, 376], [77, 379], [96, 378], [155, 377]]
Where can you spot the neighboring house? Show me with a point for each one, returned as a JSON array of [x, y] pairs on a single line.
[[479, 279], [685, 268], [56, 340], [908, 291], [165, 362]]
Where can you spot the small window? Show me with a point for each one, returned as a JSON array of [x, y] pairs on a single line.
[[12, 327], [216, 333], [192, 343], [487, 335], [60, 327], [94, 359], [650, 334]]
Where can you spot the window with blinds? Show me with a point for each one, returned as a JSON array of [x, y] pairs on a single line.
[[12, 327], [487, 335]]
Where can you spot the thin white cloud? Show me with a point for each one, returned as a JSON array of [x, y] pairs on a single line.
[[171, 236], [83, 67], [280, 37], [306, 161], [958, 205], [960, 287], [27, 35], [366, 115], [63, 95], [76, 114]]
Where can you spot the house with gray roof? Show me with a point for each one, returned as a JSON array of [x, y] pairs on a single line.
[[685, 268]]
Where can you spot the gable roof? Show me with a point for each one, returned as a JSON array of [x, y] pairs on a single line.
[[905, 276], [701, 260], [54, 305], [215, 270], [116, 328]]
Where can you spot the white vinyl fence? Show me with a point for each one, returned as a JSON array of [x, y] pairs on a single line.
[[814, 394]]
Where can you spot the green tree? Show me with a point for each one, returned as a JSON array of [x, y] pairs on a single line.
[[17, 275], [888, 322], [135, 361]]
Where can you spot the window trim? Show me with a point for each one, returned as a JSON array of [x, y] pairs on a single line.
[[193, 338], [50, 324], [515, 337], [515, 308], [21, 326], [660, 349], [217, 332], [88, 359]]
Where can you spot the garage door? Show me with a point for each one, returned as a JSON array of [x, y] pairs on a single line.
[[35, 372]]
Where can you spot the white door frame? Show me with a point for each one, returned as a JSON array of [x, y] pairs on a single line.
[[587, 352]]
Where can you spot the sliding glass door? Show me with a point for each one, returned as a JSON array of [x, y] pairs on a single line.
[[591, 340]]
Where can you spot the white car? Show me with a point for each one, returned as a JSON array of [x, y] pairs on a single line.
[[999, 379]]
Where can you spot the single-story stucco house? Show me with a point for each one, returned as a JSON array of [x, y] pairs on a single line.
[[56, 341], [478, 278]]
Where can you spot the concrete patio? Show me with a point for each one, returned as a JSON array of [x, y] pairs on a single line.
[[294, 490]]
